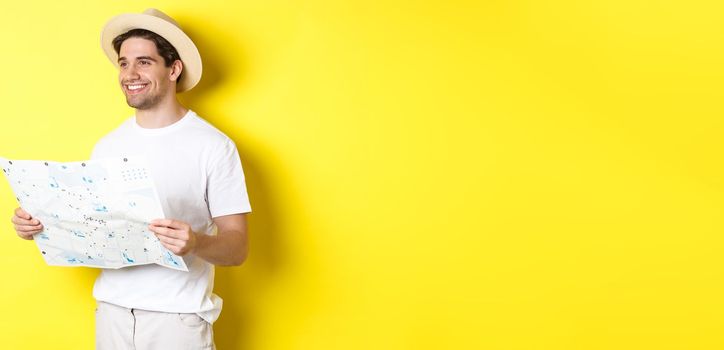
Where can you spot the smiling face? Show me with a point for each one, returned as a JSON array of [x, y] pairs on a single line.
[[144, 78]]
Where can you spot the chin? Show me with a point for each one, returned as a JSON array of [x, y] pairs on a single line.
[[141, 104]]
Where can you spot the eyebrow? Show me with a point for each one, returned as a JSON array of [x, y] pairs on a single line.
[[138, 58]]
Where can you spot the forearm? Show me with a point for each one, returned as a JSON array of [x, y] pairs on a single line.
[[228, 247], [225, 248]]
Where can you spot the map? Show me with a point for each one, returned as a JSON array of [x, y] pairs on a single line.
[[94, 213]]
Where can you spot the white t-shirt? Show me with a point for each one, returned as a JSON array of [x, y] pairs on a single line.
[[198, 175]]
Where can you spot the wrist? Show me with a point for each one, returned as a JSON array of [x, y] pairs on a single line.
[[195, 242]]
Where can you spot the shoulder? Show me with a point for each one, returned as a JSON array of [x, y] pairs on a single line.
[[205, 131], [213, 146]]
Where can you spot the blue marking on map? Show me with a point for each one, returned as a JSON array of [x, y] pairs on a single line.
[[100, 208], [125, 256], [170, 258], [78, 233], [77, 176], [43, 236], [74, 261]]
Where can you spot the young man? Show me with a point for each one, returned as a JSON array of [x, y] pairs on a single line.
[[200, 182]]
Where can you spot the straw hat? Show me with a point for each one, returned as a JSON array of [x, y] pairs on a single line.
[[163, 25]]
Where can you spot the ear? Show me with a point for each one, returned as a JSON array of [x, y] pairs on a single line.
[[176, 68]]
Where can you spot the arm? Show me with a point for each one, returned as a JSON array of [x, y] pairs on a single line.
[[229, 247]]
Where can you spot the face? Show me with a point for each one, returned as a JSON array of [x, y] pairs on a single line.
[[144, 78]]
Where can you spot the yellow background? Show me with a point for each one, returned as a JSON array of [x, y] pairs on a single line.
[[424, 175]]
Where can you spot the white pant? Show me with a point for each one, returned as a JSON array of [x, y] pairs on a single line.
[[119, 328]]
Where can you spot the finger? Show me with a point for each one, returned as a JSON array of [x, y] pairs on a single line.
[[169, 232], [162, 222], [169, 223], [27, 234], [28, 237], [20, 221], [170, 248], [171, 241], [165, 231], [22, 213], [28, 228], [180, 251]]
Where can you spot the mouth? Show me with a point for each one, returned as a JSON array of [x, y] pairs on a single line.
[[135, 88]]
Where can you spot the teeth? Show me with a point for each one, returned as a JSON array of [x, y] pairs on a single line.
[[135, 87]]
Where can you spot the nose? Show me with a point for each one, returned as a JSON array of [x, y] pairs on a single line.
[[130, 72]]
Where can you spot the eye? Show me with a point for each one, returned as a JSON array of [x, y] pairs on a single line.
[[123, 64], [144, 62]]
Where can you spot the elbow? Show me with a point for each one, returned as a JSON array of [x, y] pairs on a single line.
[[239, 258]]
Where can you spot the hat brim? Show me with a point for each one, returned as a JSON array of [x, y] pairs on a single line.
[[186, 49]]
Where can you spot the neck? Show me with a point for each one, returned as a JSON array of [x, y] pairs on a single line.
[[163, 114]]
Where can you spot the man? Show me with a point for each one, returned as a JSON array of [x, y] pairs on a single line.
[[200, 182]]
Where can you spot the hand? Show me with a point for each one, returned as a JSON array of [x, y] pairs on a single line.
[[175, 235], [25, 225]]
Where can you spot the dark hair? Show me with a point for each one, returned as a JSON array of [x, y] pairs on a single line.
[[164, 48]]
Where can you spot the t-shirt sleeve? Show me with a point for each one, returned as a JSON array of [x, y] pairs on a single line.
[[226, 187]]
